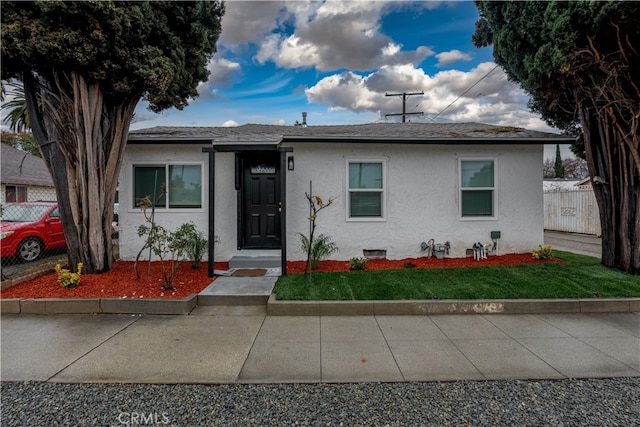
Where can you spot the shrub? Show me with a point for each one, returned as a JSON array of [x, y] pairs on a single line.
[[357, 263], [195, 245], [66, 278], [543, 252], [170, 248], [321, 247]]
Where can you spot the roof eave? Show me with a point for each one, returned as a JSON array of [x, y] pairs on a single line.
[[143, 140], [433, 140], [162, 140]]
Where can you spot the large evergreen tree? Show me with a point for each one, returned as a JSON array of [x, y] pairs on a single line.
[[580, 61], [558, 167], [85, 65]]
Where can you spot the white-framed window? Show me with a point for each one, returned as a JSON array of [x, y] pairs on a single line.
[[181, 184], [366, 184], [478, 188]]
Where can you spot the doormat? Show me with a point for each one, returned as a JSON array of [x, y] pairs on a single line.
[[249, 272]]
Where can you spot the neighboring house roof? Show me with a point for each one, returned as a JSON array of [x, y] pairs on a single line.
[[22, 168], [585, 182], [423, 133]]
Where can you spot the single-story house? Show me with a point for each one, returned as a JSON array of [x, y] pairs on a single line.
[[24, 177], [394, 186]]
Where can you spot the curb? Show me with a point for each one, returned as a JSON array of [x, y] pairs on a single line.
[[324, 308], [98, 305], [425, 307]]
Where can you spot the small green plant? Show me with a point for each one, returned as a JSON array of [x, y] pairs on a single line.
[[409, 264], [66, 278], [322, 247], [356, 263], [543, 252], [196, 245], [169, 247]]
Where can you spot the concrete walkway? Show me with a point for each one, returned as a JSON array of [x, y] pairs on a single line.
[[226, 344], [573, 242]]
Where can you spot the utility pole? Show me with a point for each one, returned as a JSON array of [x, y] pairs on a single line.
[[404, 113]]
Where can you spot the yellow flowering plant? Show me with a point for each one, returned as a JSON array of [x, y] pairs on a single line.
[[66, 278], [543, 252]]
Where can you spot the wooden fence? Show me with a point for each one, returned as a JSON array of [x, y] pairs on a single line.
[[573, 211]]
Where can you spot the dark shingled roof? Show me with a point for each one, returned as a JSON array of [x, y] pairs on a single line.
[[22, 168], [373, 132]]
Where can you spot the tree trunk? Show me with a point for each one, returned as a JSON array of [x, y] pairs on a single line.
[[82, 136], [612, 150]]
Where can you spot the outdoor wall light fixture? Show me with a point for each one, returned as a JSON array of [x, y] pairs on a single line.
[[290, 165]]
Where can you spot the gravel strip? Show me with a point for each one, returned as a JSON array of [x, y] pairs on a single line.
[[592, 402]]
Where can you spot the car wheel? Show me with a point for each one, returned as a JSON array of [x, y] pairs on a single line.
[[30, 249]]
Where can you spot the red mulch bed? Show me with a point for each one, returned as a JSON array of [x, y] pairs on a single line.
[[387, 264], [121, 281]]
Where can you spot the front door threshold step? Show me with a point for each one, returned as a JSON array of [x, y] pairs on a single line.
[[269, 272], [260, 261], [238, 291]]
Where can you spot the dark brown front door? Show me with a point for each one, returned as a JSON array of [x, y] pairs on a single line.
[[261, 202]]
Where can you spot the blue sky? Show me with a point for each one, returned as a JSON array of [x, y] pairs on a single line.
[[337, 59]]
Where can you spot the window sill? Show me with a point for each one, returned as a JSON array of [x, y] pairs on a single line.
[[365, 219], [477, 218], [170, 210]]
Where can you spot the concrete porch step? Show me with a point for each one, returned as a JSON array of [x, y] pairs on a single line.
[[238, 291], [261, 261]]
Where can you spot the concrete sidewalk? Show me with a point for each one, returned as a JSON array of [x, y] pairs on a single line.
[[242, 344]]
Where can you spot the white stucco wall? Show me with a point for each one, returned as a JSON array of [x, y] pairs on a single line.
[[422, 198], [131, 217]]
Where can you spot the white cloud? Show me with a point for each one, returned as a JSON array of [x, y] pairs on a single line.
[[335, 35], [230, 124], [269, 48], [493, 99], [345, 91], [249, 21], [454, 55], [222, 72]]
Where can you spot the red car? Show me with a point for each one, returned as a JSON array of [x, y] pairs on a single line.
[[30, 228]]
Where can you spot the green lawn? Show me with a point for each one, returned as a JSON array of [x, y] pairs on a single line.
[[578, 277]]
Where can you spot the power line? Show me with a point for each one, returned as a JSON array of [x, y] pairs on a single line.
[[465, 92], [404, 105]]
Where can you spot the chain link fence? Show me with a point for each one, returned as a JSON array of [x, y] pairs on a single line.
[[31, 230]]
